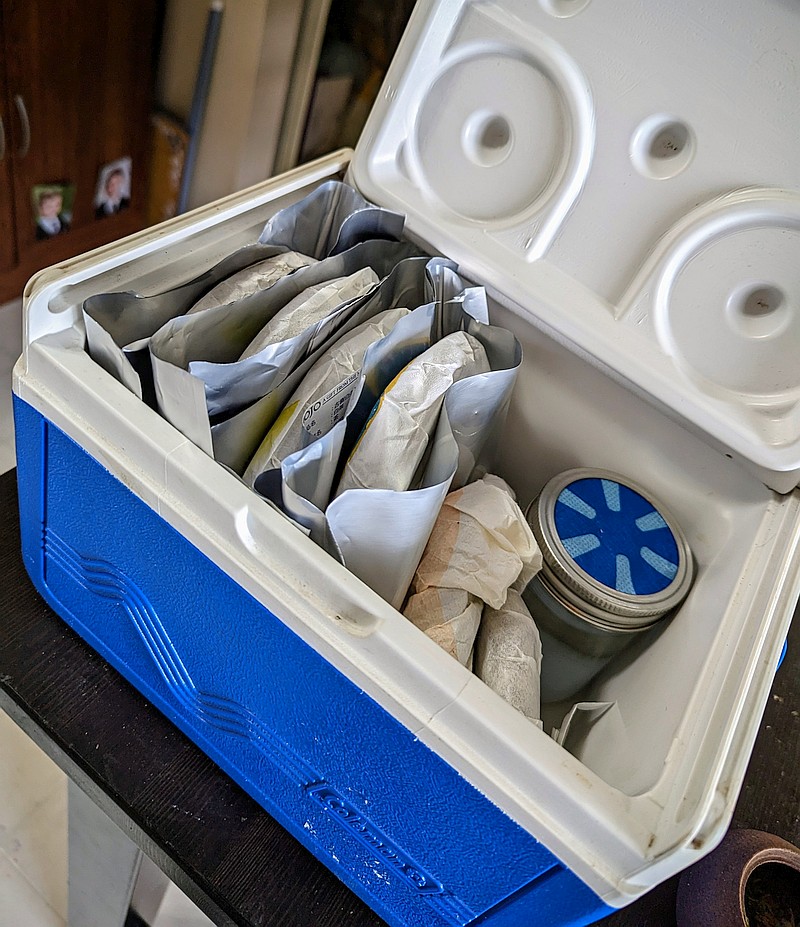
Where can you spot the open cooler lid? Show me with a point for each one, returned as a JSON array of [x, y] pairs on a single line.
[[627, 174]]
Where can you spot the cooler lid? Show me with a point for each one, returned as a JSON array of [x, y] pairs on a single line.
[[626, 174]]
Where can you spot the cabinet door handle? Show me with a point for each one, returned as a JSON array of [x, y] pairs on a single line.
[[24, 148], [2, 139]]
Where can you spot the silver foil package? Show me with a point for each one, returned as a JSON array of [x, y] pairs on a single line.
[[342, 360], [196, 361], [466, 435], [330, 220], [411, 282]]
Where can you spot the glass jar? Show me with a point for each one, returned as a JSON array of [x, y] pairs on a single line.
[[615, 564]]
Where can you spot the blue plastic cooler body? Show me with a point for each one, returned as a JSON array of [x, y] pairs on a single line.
[[384, 812]]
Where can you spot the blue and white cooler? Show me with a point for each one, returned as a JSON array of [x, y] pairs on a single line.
[[624, 181]]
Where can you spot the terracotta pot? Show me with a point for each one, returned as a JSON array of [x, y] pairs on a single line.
[[715, 891]]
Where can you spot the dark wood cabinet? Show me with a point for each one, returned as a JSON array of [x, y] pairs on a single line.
[[8, 250], [76, 82]]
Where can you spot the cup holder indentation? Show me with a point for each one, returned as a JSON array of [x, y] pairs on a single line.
[[487, 138], [485, 161], [662, 147], [758, 310]]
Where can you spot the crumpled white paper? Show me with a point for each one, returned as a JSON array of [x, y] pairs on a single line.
[[449, 617], [309, 307], [256, 277], [480, 545], [395, 438], [480, 542]]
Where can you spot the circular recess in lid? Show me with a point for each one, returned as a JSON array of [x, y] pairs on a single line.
[[492, 135], [730, 309]]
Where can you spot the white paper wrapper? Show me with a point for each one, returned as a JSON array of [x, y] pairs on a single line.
[[394, 441], [508, 655], [449, 617], [480, 543], [343, 359], [311, 306], [251, 279]]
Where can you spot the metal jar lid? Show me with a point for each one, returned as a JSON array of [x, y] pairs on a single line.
[[610, 550]]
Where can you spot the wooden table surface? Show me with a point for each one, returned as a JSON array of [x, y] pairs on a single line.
[[209, 836]]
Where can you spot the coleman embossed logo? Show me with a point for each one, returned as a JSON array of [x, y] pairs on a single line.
[[386, 851], [373, 838]]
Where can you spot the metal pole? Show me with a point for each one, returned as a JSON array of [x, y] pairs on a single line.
[[200, 98]]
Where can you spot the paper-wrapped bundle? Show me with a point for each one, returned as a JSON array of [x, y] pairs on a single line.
[[343, 359], [251, 279], [508, 655], [396, 436], [480, 544], [310, 307], [449, 617]]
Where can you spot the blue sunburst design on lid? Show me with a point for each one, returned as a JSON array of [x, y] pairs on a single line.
[[616, 536]]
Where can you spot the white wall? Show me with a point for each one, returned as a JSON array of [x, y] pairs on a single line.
[[10, 349], [248, 89]]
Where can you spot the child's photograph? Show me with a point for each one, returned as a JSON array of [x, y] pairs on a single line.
[[113, 191], [52, 208]]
